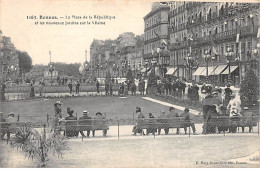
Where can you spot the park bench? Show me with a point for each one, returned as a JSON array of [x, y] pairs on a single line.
[[151, 125], [72, 127], [223, 123]]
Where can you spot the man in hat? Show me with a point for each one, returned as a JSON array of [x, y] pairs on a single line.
[[11, 118], [2, 125], [227, 93], [188, 120], [172, 114], [100, 122], [70, 86], [86, 121], [247, 119], [77, 87], [139, 113]]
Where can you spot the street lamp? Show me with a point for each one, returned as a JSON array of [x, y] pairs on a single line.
[[153, 64], [97, 69], [51, 69], [229, 53], [146, 64], [134, 67], [123, 64], [206, 57], [189, 59]]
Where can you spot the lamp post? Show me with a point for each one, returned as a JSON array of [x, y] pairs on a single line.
[[229, 54], [255, 52], [134, 68], [51, 69], [139, 67], [146, 64], [189, 60], [123, 69], [153, 64], [97, 69], [206, 57]]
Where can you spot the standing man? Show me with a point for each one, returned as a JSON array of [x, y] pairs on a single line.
[[41, 84], [111, 88], [77, 87], [228, 93], [70, 86], [106, 87], [97, 85], [188, 120]]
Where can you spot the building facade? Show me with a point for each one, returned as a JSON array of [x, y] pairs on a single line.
[[178, 46], [156, 25], [9, 62], [224, 39], [117, 56]]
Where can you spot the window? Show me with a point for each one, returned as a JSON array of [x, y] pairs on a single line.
[[249, 46], [222, 50]]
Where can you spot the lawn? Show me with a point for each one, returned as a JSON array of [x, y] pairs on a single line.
[[113, 107]]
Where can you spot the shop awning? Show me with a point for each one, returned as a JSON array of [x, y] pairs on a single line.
[[210, 69], [232, 68], [171, 71], [199, 70], [218, 70]]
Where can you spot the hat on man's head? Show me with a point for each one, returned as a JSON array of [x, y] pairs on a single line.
[[186, 109], [85, 112], [138, 109], [171, 108], [11, 114], [99, 113], [246, 108], [58, 103]]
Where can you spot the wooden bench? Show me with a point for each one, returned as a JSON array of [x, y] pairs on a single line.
[[223, 123], [152, 124], [72, 127]]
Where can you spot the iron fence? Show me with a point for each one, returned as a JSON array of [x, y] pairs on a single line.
[[120, 128]]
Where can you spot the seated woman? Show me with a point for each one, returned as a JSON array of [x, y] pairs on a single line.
[[71, 128]]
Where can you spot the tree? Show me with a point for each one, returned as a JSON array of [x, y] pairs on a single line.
[[249, 89], [25, 61], [36, 145]]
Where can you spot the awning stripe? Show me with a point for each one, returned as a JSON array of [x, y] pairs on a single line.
[[232, 69], [199, 70]]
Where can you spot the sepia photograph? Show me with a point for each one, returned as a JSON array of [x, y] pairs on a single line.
[[129, 84]]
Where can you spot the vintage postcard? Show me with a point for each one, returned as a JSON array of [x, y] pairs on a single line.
[[129, 84]]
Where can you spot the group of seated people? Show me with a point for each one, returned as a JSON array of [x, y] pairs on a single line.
[[162, 118], [85, 123]]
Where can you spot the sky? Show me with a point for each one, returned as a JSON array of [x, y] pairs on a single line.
[[67, 43]]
